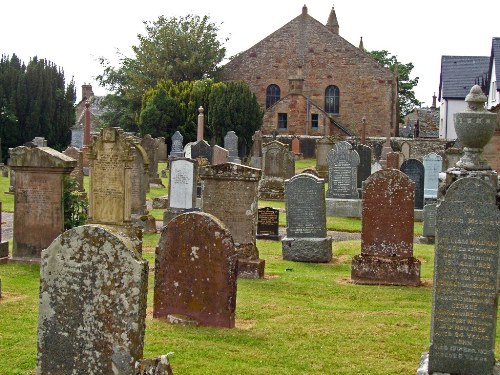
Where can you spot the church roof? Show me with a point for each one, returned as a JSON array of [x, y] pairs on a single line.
[[459, 74]]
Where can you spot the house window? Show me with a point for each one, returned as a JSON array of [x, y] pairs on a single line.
[[272, 95], [314, 120], [282, 120], [332, 97]]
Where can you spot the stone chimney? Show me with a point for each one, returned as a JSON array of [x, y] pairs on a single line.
[[87, 92], [361, 46], [433, 106], [332, 24], [304, 9]]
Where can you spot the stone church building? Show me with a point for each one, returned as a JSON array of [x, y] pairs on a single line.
[[311, 81]]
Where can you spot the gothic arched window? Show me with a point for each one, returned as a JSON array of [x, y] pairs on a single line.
[[332, 99], [272, 95]]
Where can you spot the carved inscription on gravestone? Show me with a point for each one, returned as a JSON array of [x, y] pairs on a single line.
[[465, 288], [342, 172], [182, 192], [268, 221]]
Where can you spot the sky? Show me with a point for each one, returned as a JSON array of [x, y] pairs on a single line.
[[73, 35]]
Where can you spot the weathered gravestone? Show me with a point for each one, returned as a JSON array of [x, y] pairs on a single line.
[[202, 150], [429, 224], [365, 163], [376, 166], [433, 165], [343, 164], [465, 287], [323, 146], [140, 184], [151, 146], [39, 142], [296, 147], [393, 160], [231, 144], [38, 201], [406, 149], [161, 147], [387, 232], [414, 169], [256, 152], [177, 147], [278, 165], [4, 245], [195, 272], [181, 187], [91, 316], [230, 194], [77, 172], [5, 170], [306, 238], [268, 224], [219, 155]]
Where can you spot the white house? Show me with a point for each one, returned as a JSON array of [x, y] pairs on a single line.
[[494, 75]]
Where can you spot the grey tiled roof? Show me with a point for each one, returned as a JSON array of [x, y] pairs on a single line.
[[460, 73], [495, 57]]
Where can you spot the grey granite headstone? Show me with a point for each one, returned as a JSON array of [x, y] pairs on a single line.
[[306, 238], [465, 287], [365, 163], [92, 310], [343, 164], [203, 150], [429, 214], [414, 169], [177, 147], [231, 144], [433, 165]]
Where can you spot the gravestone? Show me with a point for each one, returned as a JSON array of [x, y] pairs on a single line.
[[256, 152], [414, 169], [465, 287], [268, 224], [195, 272], [387, 232], [181, 187], [5, 170], [376, 166], [231, 145], [278, 165], [140, 183], [365, 163], [201, 150], [4, 245], [38, 199], [12, 177], [77, 172], [230, 194], [39, 142], [393, 160], [306, 238], [161, 147], [433, 165], [177, 147], [92, 311], [343, 164], [150, 145], [429, 224], [219, 155], [406, 149], [323, 146], [111, 156], [296, 147]]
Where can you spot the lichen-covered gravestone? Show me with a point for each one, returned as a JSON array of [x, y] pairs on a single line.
[[306, 238], [38, 202], [230, 194], [278, 165], [323, 146], [465, 287], [387, 232], [343, 164], [195, 272], [92, 310]]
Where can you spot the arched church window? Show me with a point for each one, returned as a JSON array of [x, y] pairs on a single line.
[[332, 99], [272, 95]]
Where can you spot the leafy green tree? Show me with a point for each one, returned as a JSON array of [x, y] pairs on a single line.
[[172, 49], [406, 94], [232, 106], [34, 101], [161, 115]]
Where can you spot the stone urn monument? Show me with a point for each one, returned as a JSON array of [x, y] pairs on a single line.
[[474, 127]]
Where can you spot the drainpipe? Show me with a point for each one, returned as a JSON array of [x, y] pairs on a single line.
[[307, 115]]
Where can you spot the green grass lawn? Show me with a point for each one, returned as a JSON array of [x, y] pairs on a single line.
[[301, 319]]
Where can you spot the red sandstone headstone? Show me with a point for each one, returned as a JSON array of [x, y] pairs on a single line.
[[393, 160], [296, 146], [196, 271], [387, 232]]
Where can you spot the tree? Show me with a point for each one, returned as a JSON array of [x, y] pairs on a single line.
[[232, 106], [172, 49], [34, 102], [406, 96]]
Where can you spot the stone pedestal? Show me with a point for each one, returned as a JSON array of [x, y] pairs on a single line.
[[251, 268], [385, 270], [315, 250]]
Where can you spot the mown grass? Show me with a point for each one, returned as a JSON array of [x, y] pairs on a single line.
[[301, 319]]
